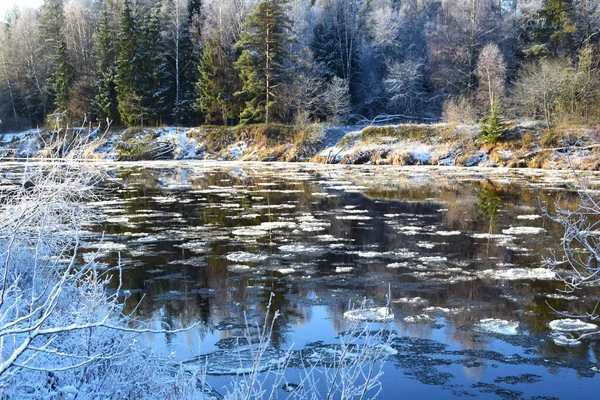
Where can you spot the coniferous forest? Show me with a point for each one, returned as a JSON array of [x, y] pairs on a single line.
[[222, 62]]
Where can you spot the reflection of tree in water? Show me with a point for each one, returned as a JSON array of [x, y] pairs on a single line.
[[489, 201]]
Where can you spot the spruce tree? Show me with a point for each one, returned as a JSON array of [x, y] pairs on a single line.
[[492, 126], [262, 62], [215, 86], [125, 79], [55, 51], [105, 102], [152, 69], [62, 78]]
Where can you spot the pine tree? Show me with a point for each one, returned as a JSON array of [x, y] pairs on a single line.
[[125, 79], [559, 24], [262, 62], [105, 102]]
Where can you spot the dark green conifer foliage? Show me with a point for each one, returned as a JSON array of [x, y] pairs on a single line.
[[152, 73], [58, 77], [559, 25], [492, 126], [105, 102], [125, 79], [262, 62], [62, 78], [216, 84]]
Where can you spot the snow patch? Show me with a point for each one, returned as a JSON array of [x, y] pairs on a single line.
[[370, 314], [498, 326]]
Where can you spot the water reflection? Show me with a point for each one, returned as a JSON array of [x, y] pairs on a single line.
[[212, 242]]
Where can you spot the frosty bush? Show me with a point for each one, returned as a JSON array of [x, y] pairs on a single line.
[[61, 332]]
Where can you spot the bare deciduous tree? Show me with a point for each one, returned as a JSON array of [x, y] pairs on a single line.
[[491, 73]]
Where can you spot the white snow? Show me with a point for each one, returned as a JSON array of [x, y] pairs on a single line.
[[519, 273], [419, 319], [529, 217], [498, 326], [571, 325], [523, 230], [242, 256], [370, 314]]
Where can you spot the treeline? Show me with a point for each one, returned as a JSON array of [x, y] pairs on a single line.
[[189, 62]]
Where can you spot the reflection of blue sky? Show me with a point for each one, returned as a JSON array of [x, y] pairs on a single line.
[[427, 227]]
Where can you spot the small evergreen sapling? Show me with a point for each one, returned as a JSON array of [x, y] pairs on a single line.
[[492, 126]]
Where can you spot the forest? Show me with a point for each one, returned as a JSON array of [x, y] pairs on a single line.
[[225, 62]]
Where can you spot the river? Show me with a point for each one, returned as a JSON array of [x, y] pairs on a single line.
[[460, 251]]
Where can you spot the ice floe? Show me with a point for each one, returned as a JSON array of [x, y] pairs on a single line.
[[419, 319], [354, 217], [250, 232], [523, 230], [414, 301], [572, 325], [498, 326], [530, 217], [243, 256], [370, 314], [519, 273]]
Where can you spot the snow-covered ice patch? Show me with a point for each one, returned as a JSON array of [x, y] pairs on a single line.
[[519, 273], [250, 232], [353, 217], [243, 256], [414, 301], [571, 325], [523, 230], [498, 326], [370, 314], [419, 319], [530, 217]]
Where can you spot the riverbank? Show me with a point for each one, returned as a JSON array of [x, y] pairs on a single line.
[[524, 145]]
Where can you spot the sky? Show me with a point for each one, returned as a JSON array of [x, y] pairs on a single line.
[[7, 4]]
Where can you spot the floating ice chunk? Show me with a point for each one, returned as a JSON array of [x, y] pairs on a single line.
[[523, 230], [498, 326], [571, 325], [243, 256], [561, 296], [414, 301], [529, 217], [491, 236], [285, 271], [273, 207], [369, 254], [250, 232], [194, 246], [353, 217], [277, 225], [370, 314], [447, 233], [519, 273], [343, 270], [564, 340], [238, 268], [419, 319], [426, 245], [147, 239], [300, 248], [433, 259], [398, 265]]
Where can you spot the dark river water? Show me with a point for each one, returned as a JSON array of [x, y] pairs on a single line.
[[459, 250]]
